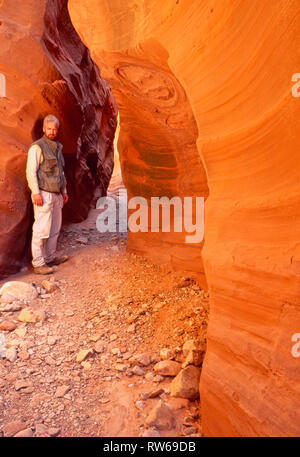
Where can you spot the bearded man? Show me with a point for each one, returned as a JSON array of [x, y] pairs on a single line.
[[47, 182]]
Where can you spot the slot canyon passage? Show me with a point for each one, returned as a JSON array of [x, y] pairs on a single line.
[[204, 94]]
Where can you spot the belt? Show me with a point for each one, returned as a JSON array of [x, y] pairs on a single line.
[[56, 193]]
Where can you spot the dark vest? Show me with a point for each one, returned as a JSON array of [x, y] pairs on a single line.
[[50, 174]]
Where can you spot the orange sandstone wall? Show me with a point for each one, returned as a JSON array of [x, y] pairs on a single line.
[[48, 70], [222, 71]]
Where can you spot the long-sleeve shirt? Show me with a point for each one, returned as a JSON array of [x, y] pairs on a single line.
[[34, 159]]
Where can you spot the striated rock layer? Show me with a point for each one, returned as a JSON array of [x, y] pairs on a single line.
[[47, 69], [209, 80]]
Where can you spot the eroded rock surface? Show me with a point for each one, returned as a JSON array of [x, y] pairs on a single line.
[[212, 81], [47, 69]]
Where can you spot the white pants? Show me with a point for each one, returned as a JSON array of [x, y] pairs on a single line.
[[46, 228]]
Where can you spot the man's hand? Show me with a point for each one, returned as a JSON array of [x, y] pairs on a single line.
[[66, 198], [37, 199]]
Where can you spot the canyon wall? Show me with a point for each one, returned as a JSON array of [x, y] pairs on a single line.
[[47, 69], [204, 90]]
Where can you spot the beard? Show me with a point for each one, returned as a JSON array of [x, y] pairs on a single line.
[[51, 136]]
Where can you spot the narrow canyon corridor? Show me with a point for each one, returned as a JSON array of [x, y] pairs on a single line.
[[147, 333], [131, 315]]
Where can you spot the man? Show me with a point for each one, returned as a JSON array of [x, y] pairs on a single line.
[[47, 182]]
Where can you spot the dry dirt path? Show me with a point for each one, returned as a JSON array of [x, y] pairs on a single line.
[[120, 306]]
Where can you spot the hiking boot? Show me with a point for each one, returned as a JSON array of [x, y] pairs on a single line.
[[43, 270], [58, 260]]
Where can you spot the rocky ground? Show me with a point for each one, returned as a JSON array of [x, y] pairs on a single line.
[[114, 346]]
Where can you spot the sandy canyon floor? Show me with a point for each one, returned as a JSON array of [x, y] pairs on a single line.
[[120, 305]]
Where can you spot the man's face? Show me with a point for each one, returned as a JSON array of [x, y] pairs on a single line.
[[51, 130]]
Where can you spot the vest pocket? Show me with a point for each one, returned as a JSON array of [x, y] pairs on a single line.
[[50, 165]]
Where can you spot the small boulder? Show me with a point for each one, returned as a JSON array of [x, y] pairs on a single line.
[[161, 417], [41, 430], [8, 326], [31, 315], [12, 428], [193, 352], [27, 433], [54, 431], [20, 290], [167, 354], [167, 368], [186, 383], [142, 360]]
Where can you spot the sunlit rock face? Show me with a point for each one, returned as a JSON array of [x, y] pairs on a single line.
[[48, 70], [206, 85], [157, 143]]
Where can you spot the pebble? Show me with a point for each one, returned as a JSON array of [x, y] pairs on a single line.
[[11, 354], [23, 355], [51, 340], [156, 393], [27, 433], [82, 240], [22, 385], [21, 332], [8, 326], [120, 367], [131, 328], [190, 431], [54, 431], [69, 313], [158, 378], [83, 354], [140, 405], [99, 348], [11, 308], [61, 391], [149, 376], [95, 338], [138, 371], [49, 286], [178, 331]]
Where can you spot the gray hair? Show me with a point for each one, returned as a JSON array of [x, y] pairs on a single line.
[[51, 118]]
